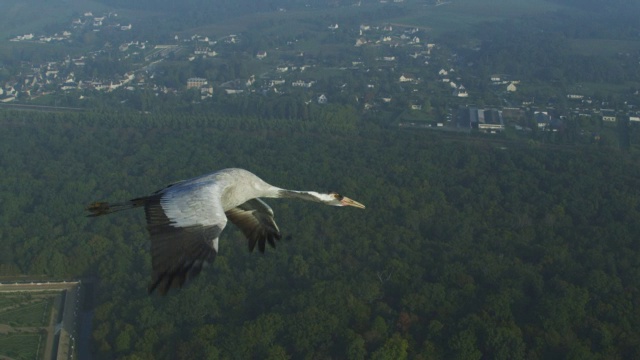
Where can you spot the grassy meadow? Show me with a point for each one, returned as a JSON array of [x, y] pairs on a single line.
[[459, 14], [449, 16], [22, 346], [24, 318], [24, 312], [605, 47], [22, 17]]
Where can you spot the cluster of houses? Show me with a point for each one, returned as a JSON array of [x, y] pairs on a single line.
[[456, 90], [504, 81], [378, 35], [65, 35], [96, 23], [51, 77], [36, 80], [398, 46], [287, 77]]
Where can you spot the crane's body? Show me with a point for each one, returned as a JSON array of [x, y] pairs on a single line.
[[185, 219]]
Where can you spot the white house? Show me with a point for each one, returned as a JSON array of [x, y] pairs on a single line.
[[276, 82], [461, 92], [608, 115], [250, 81], [301, 83], [405, 78]]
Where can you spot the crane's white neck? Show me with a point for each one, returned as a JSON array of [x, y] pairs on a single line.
[[304, 195]]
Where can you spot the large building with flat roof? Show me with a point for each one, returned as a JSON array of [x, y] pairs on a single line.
[[196, 82], [481, 119]]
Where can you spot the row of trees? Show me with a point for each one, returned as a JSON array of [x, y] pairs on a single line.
[[465, 250]]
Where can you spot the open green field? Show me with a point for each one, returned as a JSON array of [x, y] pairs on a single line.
[[28, 317], [458, 14], [450, 16], [604, 47], [6, 301], [13, 299], [21, 312], [22, 346], [603, 88], [19, 17]]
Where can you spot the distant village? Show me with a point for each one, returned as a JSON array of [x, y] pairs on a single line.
[[407, 62]]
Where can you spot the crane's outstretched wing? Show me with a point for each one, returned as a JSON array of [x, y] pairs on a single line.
[[255, 219], [184, 223]]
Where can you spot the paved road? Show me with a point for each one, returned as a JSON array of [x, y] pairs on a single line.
[[41, 286]]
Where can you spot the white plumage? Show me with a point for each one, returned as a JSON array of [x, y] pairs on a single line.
[[185, 219]]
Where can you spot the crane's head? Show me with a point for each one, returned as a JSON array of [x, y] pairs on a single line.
[[335, 199], [331, 198]]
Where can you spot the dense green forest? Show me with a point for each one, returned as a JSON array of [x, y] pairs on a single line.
[[467, 249]]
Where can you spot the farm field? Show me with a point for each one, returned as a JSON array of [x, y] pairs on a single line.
[[20, 17], [24, 319], [33, 320], [606, 47], [26, 312], [459, 14], [449, 16], [22, 346]]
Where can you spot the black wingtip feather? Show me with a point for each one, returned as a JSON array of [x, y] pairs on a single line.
[[177, 277], [272, 241], [252, 244]]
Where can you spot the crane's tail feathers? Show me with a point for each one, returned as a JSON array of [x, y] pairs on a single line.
[[104, 208]]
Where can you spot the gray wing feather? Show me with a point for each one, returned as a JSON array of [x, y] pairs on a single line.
[[184, 223], [255, 219]]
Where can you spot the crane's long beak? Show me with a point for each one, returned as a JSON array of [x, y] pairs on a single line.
[[350, 202]]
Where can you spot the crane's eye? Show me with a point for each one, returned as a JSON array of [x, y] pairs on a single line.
[[336, 195]]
